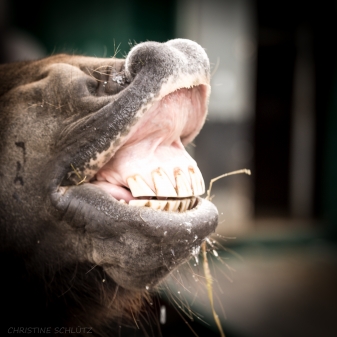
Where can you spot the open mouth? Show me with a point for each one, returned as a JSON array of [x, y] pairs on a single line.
[[151, 167], [178, 198], [165, 196], [135, 150], [123, 176]]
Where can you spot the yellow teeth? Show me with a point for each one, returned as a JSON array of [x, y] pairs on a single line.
[[184, 205], [185, 190], [139, 202], [166, 205], [139, 188], [162, 184], [182, 185], [197, 182], [172, 205], [157, 204], [193, 202]]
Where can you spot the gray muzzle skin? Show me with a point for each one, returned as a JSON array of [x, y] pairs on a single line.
[[136, 246], [74, 132]]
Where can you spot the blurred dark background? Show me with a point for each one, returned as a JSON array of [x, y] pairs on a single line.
[[273, 109]]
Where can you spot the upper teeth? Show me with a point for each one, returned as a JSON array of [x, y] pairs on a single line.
[[162, 184], [163, 187], [198, 185], [183, 186], [139, 188]]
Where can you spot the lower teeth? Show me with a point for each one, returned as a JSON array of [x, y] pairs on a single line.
[[175, 205]]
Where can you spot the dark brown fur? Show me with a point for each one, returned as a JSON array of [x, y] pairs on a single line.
[[73, 256]]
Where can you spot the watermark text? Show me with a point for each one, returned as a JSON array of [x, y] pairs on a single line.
[[49, 330]]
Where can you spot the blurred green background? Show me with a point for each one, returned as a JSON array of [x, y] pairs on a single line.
[[95, 28], [273, 110]]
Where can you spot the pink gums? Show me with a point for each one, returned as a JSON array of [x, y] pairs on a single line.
[[157, 141]]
